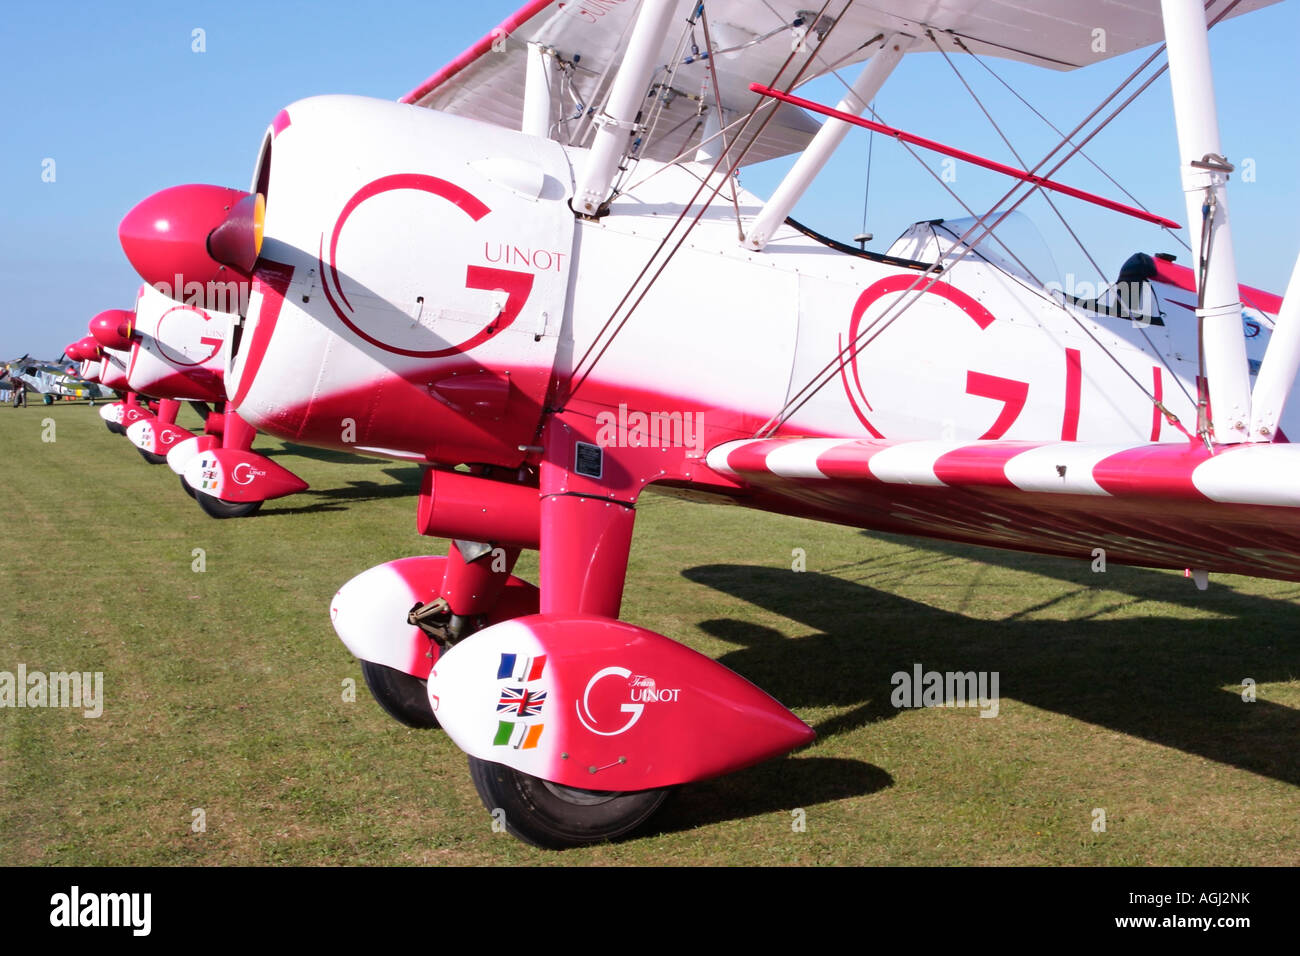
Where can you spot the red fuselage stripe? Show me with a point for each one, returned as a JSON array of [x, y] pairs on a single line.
[[1073, 394]]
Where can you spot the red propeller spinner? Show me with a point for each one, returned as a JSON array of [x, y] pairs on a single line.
[[197, 244], [112, 328], [87, 350]]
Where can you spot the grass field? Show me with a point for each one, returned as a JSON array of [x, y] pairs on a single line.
[[224, 689]]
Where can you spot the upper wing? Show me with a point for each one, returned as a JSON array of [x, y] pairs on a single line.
[[1157, 505], [754, 39], [486, 82]]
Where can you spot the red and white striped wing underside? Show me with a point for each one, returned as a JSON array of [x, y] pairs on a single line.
[[1236, 509]]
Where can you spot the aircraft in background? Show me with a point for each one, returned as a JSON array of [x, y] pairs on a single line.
[[107, 368], [49, 378], [539, 276], [172, 354]]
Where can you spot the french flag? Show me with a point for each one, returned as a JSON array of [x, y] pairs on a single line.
[[520, 668]]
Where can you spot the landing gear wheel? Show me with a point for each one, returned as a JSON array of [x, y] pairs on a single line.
[[186, 485], [115, 428], [151, 458], [216, 508], [554, 817], [403, 697]]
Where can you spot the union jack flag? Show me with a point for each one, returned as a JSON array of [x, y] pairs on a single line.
[[520, 702]]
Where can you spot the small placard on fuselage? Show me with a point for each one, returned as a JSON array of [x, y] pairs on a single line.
[[589, 460]]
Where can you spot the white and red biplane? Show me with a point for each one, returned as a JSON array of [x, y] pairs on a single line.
[[534, 277], [173, 353]]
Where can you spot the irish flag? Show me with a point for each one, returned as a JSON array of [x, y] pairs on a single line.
[[519, 736]]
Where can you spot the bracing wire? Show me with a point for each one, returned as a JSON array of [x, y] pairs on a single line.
[[577, 379], [827, 373]]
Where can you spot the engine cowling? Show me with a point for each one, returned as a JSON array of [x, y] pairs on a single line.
[[176, 351], [112, 369], [411, 282]]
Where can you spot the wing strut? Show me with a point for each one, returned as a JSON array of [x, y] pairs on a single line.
[[1278, 370], [1205, 176], [537, 92], [827, 140], [617, 121]]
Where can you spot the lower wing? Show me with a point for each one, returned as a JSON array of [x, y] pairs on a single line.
[[1232, 508]]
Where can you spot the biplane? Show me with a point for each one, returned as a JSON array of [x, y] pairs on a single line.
[[539, 276], [165, 354], [49, 378]]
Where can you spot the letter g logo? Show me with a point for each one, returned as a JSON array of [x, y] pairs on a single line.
[[584, 707]]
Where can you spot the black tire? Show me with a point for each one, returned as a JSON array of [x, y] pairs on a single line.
[[554, 817], [115, 428], [151, 458], [403, 697], [186, 485], [216, 508]]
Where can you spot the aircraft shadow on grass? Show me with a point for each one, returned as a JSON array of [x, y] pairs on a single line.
[[1151, 676], [772, 787], [406, 484]]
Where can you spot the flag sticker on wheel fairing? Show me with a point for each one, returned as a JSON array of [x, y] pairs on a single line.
[[518, 736], [521, 668], [521, 702], [209, 478]]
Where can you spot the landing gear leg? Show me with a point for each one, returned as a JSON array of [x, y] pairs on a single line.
[[585, 542]]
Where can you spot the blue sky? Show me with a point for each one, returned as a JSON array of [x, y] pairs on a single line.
[[115, 96]]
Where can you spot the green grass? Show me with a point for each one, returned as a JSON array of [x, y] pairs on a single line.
[[1120, 691]]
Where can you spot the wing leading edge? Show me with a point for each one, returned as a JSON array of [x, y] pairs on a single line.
[[1167, 505]]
